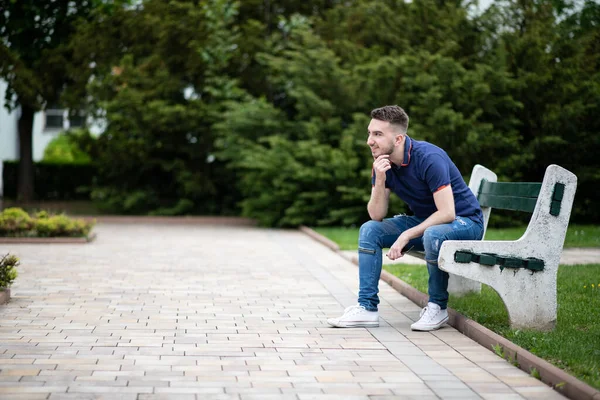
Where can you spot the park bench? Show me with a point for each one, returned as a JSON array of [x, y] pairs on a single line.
[[523, 271]]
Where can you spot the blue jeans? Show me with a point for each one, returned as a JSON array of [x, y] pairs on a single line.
[[376, 235]]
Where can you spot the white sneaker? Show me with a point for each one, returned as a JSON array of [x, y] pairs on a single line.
[[356, 317], [432, 318]]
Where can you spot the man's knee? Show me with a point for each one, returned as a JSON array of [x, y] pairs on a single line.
[[370, 231], [432, 241]]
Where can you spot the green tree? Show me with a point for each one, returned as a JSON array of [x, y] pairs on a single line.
[[34, 61], [322, 87], [297, 157], [551, 50], [280, 91], [258, 20], [161, 96]]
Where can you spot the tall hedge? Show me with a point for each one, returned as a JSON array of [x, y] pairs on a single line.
[[53, 180]]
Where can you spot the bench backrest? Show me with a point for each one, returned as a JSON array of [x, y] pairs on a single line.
[[523, 196], [509, 195]]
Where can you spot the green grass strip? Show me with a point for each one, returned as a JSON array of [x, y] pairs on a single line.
[[574, 345], [577, 235]]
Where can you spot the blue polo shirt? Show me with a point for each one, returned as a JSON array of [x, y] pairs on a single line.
[[427, 169]]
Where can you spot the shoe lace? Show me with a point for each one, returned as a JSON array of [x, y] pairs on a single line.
[[428, 314], [355, 309]]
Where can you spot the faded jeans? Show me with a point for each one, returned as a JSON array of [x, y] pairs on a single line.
[[376, 235]]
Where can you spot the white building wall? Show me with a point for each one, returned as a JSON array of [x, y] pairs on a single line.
[[9, 139], [9, 133]]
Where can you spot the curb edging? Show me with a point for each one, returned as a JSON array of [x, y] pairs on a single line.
[[184, 220], [551, 375], [122, 219], [47, 240]]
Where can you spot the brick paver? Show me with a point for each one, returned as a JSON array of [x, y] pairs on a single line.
[[151, 311]]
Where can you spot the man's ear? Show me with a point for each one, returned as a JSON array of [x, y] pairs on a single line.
[[400, 139]]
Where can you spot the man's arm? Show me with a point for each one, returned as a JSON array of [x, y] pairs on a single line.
[[444, 202], [380, 199], [380, 195]]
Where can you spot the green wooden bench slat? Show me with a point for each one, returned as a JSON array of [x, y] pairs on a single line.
[[518, 189], [462, 256], [555, 208], [507, 202], [559, 191], [490, 259], [487, 259], [535, 264], [557, 196], [513, 262]]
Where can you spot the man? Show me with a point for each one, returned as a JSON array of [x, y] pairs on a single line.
[[444, 208]]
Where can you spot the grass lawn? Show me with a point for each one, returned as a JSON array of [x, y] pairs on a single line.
[[577, 235], [574, 345]]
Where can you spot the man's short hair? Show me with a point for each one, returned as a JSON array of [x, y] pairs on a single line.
[[395, 115]]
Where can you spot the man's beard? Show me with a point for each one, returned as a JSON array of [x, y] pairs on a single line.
[[384, 151]]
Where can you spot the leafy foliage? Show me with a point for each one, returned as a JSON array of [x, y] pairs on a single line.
[[65, 148], [217, 107], [324, 97], [15, 222], [36, 62], [155, 155], [8, 270]]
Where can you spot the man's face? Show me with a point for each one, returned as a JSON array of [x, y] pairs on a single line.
[[382, 138]]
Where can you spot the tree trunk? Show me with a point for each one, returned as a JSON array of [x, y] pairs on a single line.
[[25, 191]]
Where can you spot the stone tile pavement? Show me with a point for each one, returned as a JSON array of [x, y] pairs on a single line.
[[151, 311]]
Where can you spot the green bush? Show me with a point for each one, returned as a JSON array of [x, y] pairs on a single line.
[[61, 225], [14, 222], [8, 270], [65, 149]]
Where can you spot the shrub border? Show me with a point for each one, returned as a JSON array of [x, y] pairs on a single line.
[[551, 375]]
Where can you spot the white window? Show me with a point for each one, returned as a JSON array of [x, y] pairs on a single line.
[[55, 119], [59, 119], [77, 120]]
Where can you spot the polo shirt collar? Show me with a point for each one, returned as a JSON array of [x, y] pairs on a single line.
[[407, 151]]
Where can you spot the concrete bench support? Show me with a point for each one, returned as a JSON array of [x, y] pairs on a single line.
[[530, 297]]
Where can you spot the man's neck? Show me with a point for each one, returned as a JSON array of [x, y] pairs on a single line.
[[397, 157]]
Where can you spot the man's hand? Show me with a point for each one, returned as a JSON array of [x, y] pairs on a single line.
[[380, 166], [396, 249]]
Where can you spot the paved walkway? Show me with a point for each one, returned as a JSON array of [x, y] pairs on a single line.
[[209, 312]]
